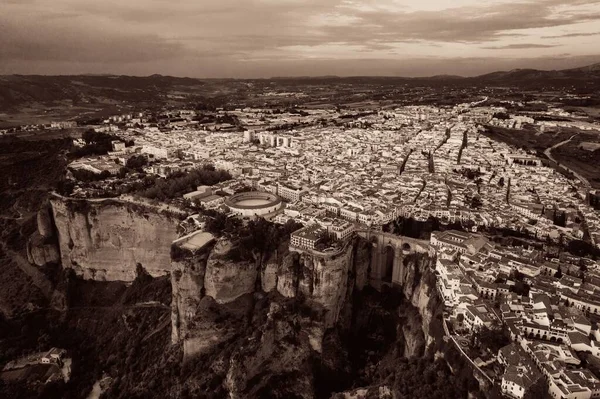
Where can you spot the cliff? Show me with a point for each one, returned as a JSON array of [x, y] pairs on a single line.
[[208, 278], [225, 281], [417, 281], [105, 239], [42, 248], [208, 286], [288, 323]]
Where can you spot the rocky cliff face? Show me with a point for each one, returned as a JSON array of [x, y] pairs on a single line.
[[225, 281], [418, 284], [209, 278], [209, 288], [260, 320], [104, 240], [298, 323], [42, 248], [187, 287]]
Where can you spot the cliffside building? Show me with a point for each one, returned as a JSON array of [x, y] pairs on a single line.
[[307, 237]]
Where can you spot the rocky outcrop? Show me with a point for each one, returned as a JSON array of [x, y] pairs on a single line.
[[213, 324], [324, 281], [42, 247], [418, 284], [288, 276], [268, 277], [411, 328], [274, 361], [44, 222], [213, 278], [187, 287], [225, 280], [106, 239], [42, 251]]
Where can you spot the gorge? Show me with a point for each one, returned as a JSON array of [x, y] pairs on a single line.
[[288, 323]]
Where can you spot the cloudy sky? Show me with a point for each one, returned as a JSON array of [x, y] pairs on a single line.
[[263, 38]]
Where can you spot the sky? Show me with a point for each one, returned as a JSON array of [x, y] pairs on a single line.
[[265, 38]]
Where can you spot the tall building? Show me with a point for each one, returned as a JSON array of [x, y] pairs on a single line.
[[248, 136], [290, 193]]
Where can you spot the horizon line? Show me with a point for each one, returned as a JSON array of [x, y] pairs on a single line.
[[329, 76]]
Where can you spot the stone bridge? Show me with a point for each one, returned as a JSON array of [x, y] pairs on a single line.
[[388, 252]]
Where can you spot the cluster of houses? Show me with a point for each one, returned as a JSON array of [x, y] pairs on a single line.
[[545, 311]]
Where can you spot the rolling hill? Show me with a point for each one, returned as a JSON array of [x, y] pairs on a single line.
[[88, 91]]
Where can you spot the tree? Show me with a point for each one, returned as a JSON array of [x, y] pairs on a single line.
[[325, 240], [180, 183], [89, 176], [476, 202], [558, 273], [97, 143], [492, 338], [517, 275], [136, 162], [521, 288], [539, 390]]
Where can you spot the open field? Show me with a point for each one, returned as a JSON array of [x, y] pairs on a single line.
[[582, 161], [571, 155], [529, 138]]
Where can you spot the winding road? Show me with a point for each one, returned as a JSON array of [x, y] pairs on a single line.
[[548, 153]]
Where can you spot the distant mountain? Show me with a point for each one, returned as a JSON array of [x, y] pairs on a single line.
[[574, 75], [16, 90], [88, 90], [588, 69], [443, 77]]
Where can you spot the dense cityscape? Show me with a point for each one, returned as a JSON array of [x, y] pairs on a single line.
[[300, 199], [519, 312]]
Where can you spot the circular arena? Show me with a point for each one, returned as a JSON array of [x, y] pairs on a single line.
[[253, 203]]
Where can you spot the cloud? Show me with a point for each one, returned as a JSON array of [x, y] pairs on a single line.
[[75, 42], [581, 34], [474, 24], [209, 36], [520, 46]]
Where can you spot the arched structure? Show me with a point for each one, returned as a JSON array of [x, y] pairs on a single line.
[[388, 253], [388, 270]]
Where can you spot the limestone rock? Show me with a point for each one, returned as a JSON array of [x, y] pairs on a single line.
[[412, 331], [225, 280], [213, 324], [44, 223], [40, 252], [187, 284], [269, 276], [325, 280], [287, 277], [275, 360], [105, 240]]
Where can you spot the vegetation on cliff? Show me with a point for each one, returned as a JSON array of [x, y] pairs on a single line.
[[180, 183], [30, 169], [109, 328], [252, 240], [376, 347], [96, 143]]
